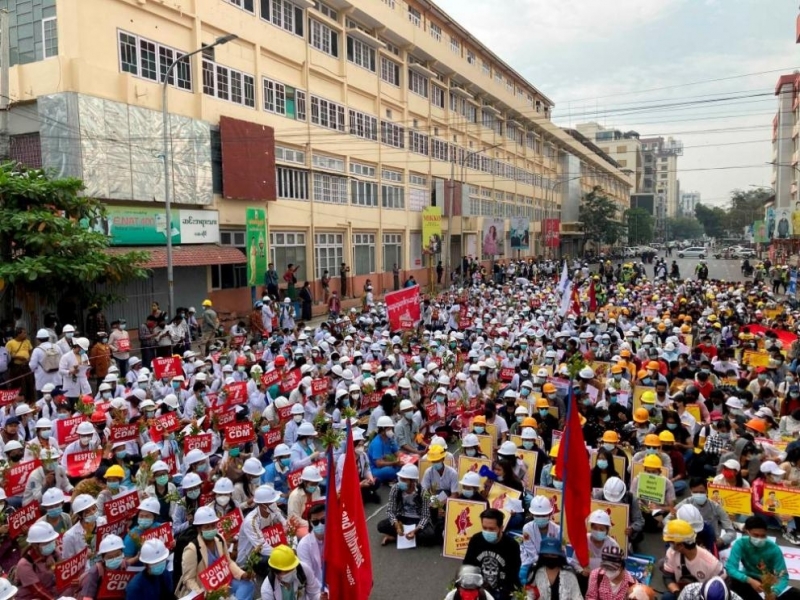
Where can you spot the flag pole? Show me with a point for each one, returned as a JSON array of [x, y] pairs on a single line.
[[330, 478], [565, 442]]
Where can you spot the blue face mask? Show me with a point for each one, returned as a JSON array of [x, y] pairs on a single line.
[[544, 412], [158, 569], [541, 522], [48, 549], [599, 536], [319, 530], [202, 468], [285, 462], [699, 498], [479, 429], [402, 486], [672, 426], [490, 536], [54, 512], [193, 494], [121, 454], [209, 534], [468, 493], [145, 523], [528, 445], [112, 485], [234, 452], [114, 563], [311, 489], [602, 464], [439, 466]]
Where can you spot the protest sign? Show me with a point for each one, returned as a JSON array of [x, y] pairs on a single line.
[[462, 521], [16, 477], [733, 500], [122, 506], [114, 583], [652, 488], [122, 433], [217, 575], [780, 500], [67, 571], [167, 367], [239, 433], [200, 442], [293, 478], [21, 520], [67, 429], [83, 464]]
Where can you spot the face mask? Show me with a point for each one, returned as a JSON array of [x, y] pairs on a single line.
[[113, 563], [298, 418], [408, 415], [758, 542], [234, 452], [389, 433], [612, 573], [470, 452], [528, 445], [402, 486], [193, 494], [602, 464], [112, 485], [525, 392], [559, 485], [609, 447], [285, 462], [541, 522], [162, 479], [85, 440], [54, 512], [158, 569], [651, 451], [222, 499], [90, 518], [209, 534], [68, 335], [121, 454], [319, 530], [544, 412], [468, 493], [310, 489], [599, 536], [479, 429], [145, 523], [439, 466], [107, 395], [360, 450], [490, 536], [699, 498], [48, 549], [672, 426], [44, 434]]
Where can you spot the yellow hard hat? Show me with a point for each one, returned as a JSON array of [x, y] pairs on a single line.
[[641, 415], [616, 369], [542, 403], [649, 397], [115, 471], [549, 388], [679, 531], [652, 462], [529, 422], [283, 558], [611, 437], [206, 302], [651, 439], [666, 437], [436, 453]]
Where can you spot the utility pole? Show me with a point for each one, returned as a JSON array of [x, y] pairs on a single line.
[[5, 92]]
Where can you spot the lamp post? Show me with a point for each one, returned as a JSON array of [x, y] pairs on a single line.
[[165, 118]]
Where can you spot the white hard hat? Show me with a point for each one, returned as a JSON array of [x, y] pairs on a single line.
[[82, 342], [282, 450], [153, 552], [297, 409], [170, 400], [204, 516], [614, 489], [406, 405], [82, 502], [600, 517], [409, 472], [529, 433], [541, 506], [507, 449], [52, 497], [306, 429], [404, 383], [85, 428], [194, 456], [159, 465], [12, 445], [358, 435], [23, 409], [586, 373], [692, 515], [471, 479], [223, 486], [252, 466], [7, 589], [150, 505], [44, 424], [311, 474], [41, 532], [385, 421], [190, 480], [470, 441], [266, 494], [49, 387], [42, 334], [68, 329], [110, 543]]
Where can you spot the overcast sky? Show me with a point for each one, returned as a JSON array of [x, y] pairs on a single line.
[[603, 60]]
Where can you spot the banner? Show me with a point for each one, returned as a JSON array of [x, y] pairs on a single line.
[[121, 433], [499, 498], [83, 464], [290, 381], [236, 393], [113, 584], [142, 226], [319, 386], [217, 575], [293, 478], [162, 532], [202, 442], [760, 232], [520, 233], [167, 368], [16, 477], [8, 396], [67, 429], [494, 237], [240, 433], [783, 224], [431, 230], [229, 525], [19, 521], [755, 358], [403, 308], [551, 232], [783, 501], [274, 535], [462, 520], [122, 506], [270, 378], [529, 457], [256, 220], [164, 424], [733, 500], [68, 571], [652, 488]]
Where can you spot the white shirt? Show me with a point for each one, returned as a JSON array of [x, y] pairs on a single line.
[[309, 551]]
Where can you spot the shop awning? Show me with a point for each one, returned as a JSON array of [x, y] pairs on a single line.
[[195, 255]]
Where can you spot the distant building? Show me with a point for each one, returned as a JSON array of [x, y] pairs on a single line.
[[689, 200], [785, 144], [623, 147], [661, 170]]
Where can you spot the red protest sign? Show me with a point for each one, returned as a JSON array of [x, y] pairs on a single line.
[[200, 442], [123, 433], [270, 378], [273, 437], [163, 424], [8, 396], [240, 433], [464, 323], [122, 506], [167, 368], [290, 381], [371, 400], [16, 477], [274, 535], [19, 521], [119, 528], [408, 459], [236, 393], [162, 532], [216, 576], [83, 464], [403, 306], [319, 386], [293, 478], [172, 463], [431, 413], [506, 374], [224, 419], [68, 571], [123, 345], [67, 429], [229, 525], [285, 412], [113, 584]]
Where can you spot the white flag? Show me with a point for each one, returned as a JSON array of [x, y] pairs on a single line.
[[562, 284], [566, 299]]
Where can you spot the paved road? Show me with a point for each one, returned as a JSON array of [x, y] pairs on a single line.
[[727, 270]]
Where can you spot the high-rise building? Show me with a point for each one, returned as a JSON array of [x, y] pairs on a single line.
[[785, 144], [344, 118], [689, 200], [661, 170], [623, 147]]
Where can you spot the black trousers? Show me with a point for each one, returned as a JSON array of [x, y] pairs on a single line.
[[748, 593], [426, 537]]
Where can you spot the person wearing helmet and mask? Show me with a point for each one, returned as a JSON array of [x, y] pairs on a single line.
[[548, 422], [713, 515], [310, 549], [109, 558], [266, 515], [290, 429], [407, 508], [685, 561], [155, 581], [276, 471], [610, 581], [382, 452], [470, 445], [162, 489], [252, 473], [73, 368], [406, 430], [533, 532], [146, 520], [304, 451], [599, 542], [369, 486], [714, 588], [52, 507], [44, 362], [205, 550], [48, 476], [87, 440], [652, 447], [654, 512], [440, 480], [289, 577], [82, 533], [36, 567], [303, 496]]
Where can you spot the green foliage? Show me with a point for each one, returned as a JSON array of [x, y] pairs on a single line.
[[683, 228], [600, 219], [745, 207], [712, 219], [640, 226], [45, 246]]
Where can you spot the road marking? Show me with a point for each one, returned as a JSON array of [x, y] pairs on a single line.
[[377, 511]]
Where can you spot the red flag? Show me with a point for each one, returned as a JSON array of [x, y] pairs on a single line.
[[348, 565], [575, 307], [577, 492], [592, 298]]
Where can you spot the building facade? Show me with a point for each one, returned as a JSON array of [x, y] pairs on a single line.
[[623, 147], [344, 118], [785, 145], [689, 200], [661, 171]]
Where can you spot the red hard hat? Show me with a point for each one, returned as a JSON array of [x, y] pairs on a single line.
[[280, 361], [98, 416], [87, 399], [241, 360]]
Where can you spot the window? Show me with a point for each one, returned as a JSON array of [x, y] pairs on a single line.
[[389, 3], [328, 162], [363, 125], [414, 16], [389, 175], [326, 10], [284, 100], [330, 188], [486, 68], [283, 14], [393, 196], [392, 250], [290, 155], [363, 193], [455, 45], [323, 38], [244, 5], [390, 71], [498, 77], [436, 32], [150, 60], [437, 96], [360, 54], [418, 142], [288, 247], [418, 83], [292, 183], [327, 114], [418, 199], [224, 277], [438, 149], [328, 253], [217, 82], [364, 253], [393, 135], [362, 170], [50, 37]]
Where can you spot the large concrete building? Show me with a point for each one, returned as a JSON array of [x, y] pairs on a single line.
[[661, 171], [689, 200], [344, 118], [785, 144], [623, 147]]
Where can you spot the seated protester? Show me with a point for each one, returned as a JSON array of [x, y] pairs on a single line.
[[679, 475], [548, 477], [610, 581], [685, 561], [369, 487], [470, 488], [278, 469], [599, 542], [155, 581], [496, 554], [53, 508], [652, 447], [382, 451], [36, 568], [251, 536], [311, 549], [746, 453], [534, 531], [408, 507], [705, 531], [304, 451], [113, 477], [147, 519], [303, 496], [550, 577], [507, 453], [731, 474], [615, 490], [672, 423], [504, 473], [223, 497], [439, 483], [110, 558], [244, 490], [611, 444], [604, 468], [470, 445], [289, 578], [792, 467], [49, 475], [717, 440], [184, 510], [711, 512], [82, 534], [753, 556], [763, 505], [202, 552], [654, 513], [712, 588], [162, 489], [468, 585]]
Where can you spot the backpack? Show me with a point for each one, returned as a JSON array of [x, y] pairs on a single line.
[[184, 539], [52, 359]]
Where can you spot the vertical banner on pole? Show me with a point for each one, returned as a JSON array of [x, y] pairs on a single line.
[[256, 219]]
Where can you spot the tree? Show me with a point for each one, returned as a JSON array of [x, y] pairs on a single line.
[[746, 206], [683, 228], [46, 245], [599, 217], [712, 219], [640, 226]]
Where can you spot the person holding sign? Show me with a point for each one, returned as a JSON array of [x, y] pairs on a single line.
[[149, 510], [119, 340], [155, 581], [659, 496], [253, 535], [48, 476], [205, 550], [110, 560], [82, 534], [599, 542], [685, 561], [36, 568]]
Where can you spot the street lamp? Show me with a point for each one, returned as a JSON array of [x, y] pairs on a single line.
[[165, 118]]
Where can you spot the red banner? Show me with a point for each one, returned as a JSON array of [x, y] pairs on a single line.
[[225, 418], [370, 401], [122, 506], [274, 535], [506, 374], [67, 429], [229, 525], [319, 386], [19, 521], [552, 232], [68, 571], [464, 323], [122, 433], [119, 528], [162, 532], [8, 396], [162, 425], [200, 442], [236, 393], [172, 463], [240, 433], [167, 368], [273, 437], [16, 477], [403, 305], [83, 464], [113, 584], [217, 575], [293, 478], [270, 378], [123, 345], [290, 381], [285, 412]]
